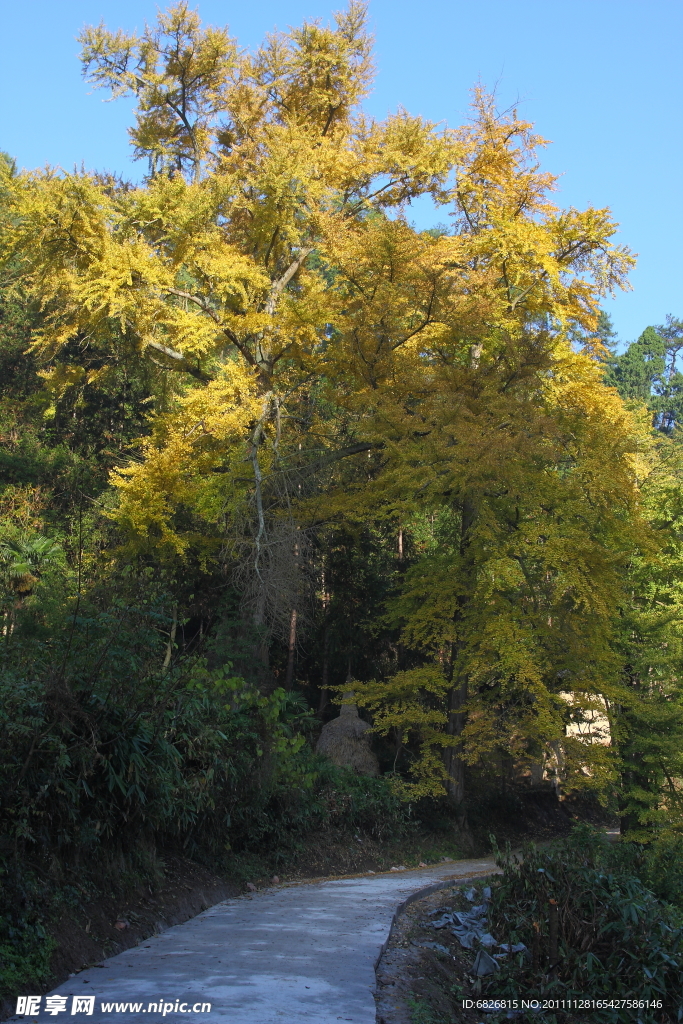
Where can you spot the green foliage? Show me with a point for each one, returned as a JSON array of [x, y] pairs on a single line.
[[641, 368], [25, 947], [647, 372], [105, 752], [660, 866], [24, 961], [422, 1013], [610, 926], [646, 703], [248, 381], [102, 742]]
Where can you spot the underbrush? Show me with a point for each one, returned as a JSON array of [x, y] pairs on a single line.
[[598, 923], [25, 946], [422, 1013], [108, 755]]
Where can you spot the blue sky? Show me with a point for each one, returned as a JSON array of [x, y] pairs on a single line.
[[602, 79]]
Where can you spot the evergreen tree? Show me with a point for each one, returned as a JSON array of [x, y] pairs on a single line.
[[647, 373]]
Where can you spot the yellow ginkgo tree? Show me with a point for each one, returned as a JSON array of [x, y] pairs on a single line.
[[215, 266], [319, 359], [483, 416]]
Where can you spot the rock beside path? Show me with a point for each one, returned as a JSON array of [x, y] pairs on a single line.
[[346, 742]]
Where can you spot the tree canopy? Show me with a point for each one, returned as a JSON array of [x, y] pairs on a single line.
[[412, 460]]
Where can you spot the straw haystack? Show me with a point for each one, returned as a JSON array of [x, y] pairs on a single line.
[[346, 742]]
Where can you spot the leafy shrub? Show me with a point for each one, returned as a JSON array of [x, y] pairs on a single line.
[[99, 744], [24, 962], [360, 802], [105, 753], [661, 867], [614, 937], [25, 947]]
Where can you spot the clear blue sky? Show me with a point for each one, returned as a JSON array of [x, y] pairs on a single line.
[[602, 79]]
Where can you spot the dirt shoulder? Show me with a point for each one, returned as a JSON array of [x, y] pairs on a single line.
[[113, 923], [424, 974]]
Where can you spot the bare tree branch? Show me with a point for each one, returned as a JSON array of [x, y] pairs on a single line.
[[179, 363], [279, 286]]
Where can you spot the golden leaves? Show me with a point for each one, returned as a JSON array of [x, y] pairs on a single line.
[[399, 707], [180, 74], [285, 282], [188, 466]]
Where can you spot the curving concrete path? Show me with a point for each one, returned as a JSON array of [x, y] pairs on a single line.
[[296, 954]]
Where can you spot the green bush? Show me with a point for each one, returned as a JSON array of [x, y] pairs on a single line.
[[661, 867], [24, 962], [614, 937], [105, 754], [25, 946]]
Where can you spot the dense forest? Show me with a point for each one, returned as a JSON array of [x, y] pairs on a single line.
[[266, 447]]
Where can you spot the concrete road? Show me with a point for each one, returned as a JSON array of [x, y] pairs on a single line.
[[296, 954]]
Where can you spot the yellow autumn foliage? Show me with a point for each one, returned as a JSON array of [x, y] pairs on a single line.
[[192, 451], [316, 348]]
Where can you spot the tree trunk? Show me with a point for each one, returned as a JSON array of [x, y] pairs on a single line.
[[260, 649], [324, 692], [455, 766], [289, 677], [171, 639]]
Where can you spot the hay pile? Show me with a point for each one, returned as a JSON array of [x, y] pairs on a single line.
[[345, 741]]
